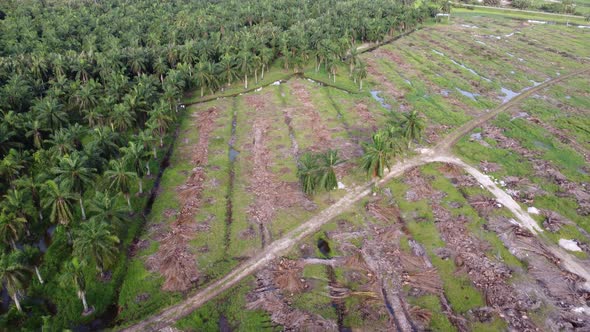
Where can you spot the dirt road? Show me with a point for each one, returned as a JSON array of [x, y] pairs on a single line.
[[440, 152]]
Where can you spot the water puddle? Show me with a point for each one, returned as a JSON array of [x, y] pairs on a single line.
[[445, 93], [480, 42], [508, 94], [375, 95], [233, 153], [470, 70], [439, 53], [468, 94], [463, 66], [537, 22], [469, 26], [510, 54]]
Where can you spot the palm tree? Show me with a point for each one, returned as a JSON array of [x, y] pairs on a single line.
[[94, 241], [121, 117], [11, 227], [106, 208], [266, 56], [50, 112], [136, 156], [73, 273], [35, 130], [33, 184], [120, 179], [244, 60], [204, 75], [31, 256], [14, 275], [360, 73], [72, 172], [412, 126], [227, 65], [307, 173], [59, 199], [378, 154], [61, 142], [327, 176], [21, 203]]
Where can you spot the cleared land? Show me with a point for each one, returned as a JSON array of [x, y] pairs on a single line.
[[444, 247]]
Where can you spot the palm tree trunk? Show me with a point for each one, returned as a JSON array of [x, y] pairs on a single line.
[[155, 151], [82, 209], [361, 84], [245, 81], [140, 185], [17, 302], [262, 73], [128, 197], [202, 91], [147, 166], [256, 76], [38, 275], [13, 244], [82, 296], [161, 141]]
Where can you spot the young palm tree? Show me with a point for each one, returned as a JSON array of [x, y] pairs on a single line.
[[72, 171], [14, 276], [307, 173], [377, 155], [327, 176], [412, 126], [94, 241], [73, 273], [120, 179]]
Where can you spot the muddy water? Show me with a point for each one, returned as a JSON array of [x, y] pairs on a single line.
[[232, 154]]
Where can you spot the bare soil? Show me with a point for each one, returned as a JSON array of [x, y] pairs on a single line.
[[270, 194], [175, 260]]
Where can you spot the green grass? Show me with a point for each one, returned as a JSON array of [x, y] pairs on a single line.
[[439, 321], [230, 305], [516, 14]]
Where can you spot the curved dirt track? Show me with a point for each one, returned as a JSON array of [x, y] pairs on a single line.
[[441, 152]]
